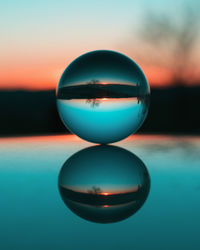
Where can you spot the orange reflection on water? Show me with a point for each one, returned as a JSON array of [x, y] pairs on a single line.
[[67, 139], [62, 142]]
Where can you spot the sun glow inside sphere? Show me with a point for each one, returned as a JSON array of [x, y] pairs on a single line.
[[103, 96]]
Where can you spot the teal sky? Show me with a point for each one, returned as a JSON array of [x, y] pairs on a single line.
[[40, 38]]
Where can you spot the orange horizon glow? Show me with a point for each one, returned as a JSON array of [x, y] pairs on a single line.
[[123, 190], [47, 77], [105, 193], [39, 40]]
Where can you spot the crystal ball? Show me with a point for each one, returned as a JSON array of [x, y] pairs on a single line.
[[103, 97], [104, 184]]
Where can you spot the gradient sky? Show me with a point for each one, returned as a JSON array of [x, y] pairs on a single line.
[[40, 38]]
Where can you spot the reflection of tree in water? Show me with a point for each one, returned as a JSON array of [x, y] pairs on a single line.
[[140, 93], [94, 102], [143, 98], [94, 190]]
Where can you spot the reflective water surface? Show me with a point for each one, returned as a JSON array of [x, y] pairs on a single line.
[[34, 216], [104, 183]]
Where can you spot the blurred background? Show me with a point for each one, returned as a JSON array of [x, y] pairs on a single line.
[[40, 38]]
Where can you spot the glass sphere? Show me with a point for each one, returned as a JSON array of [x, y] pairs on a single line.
[[103, 96], [104, 184]]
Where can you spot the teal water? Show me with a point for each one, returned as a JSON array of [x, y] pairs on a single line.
[[33, 215]]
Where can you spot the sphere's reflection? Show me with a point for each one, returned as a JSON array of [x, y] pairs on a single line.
[[104, 183]]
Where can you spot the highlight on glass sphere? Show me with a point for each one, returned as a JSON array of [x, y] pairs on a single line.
[[104, 184], [103, 96]]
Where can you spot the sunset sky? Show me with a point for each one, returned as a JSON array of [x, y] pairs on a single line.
[[40, 38]]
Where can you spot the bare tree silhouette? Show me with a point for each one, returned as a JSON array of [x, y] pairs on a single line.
[[94, 190], [93, 101], [170, 42], [92, 82]]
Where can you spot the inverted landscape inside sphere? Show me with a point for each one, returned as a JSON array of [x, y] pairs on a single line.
[[103, 97]]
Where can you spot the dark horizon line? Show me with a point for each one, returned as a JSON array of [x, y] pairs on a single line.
[[99, 199], [160, 87], [102, 193]]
